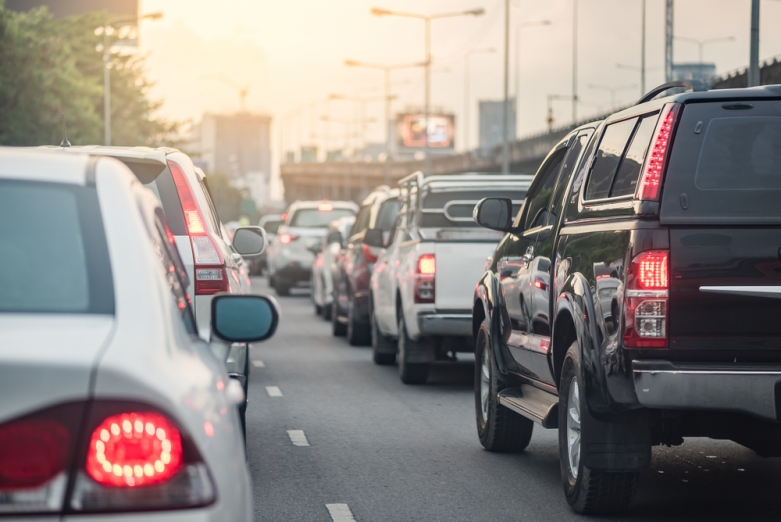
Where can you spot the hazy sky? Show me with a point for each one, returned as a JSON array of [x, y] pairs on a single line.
[[291, 52]]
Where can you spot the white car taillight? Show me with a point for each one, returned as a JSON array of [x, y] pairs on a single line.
[[645, 302], [425, 279]]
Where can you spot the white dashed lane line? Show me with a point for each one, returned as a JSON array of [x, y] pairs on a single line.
[[340, 512], [297, 437], [258, 364], [273, 391]]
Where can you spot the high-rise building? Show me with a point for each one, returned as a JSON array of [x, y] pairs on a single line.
[[492, 124]]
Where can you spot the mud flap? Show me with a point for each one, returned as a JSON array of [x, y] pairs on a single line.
[[622, 443]]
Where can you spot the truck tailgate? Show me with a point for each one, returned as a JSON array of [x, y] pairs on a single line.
[[459, 267]]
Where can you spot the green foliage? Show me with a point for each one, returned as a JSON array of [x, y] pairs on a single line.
[[53, 67], [227, 198]]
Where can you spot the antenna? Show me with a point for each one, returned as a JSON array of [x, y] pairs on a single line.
[[65, 142]]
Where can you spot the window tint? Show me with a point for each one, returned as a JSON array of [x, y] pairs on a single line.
[[629, 171], [609, 154], [314, 218], [173, 269], [211, 211], [387, 214], [272, 226], [537, 201], [571, 162], [53, 250], [156, 177]]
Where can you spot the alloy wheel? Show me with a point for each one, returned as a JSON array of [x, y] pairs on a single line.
[[485, 385], [573, 427]]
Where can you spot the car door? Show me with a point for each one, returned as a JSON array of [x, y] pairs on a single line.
[[384, 269], [515, 267], [548, 222]]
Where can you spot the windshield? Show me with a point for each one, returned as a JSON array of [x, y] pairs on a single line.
[[314, 218], [52, 250]]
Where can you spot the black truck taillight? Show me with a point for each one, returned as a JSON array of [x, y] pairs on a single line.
[[646, 310]]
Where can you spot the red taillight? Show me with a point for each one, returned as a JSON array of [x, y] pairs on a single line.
[[192, 212], [32, 452], [646, 300], [370, 256], [134, 449], [540, 283], [425, 279], [286, 238], [650, 184]]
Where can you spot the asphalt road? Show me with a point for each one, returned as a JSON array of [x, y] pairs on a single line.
[[395, 452]]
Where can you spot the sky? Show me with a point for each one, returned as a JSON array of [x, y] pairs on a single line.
[[290, 55]]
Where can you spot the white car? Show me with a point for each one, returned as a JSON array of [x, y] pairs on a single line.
[[289, 255], [110, 403], [330, 254]]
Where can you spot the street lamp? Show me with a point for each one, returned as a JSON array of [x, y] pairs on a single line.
[[466, 89], [518, 58], [702, 43], [107, 30], [612, 91], [376, 11], [362, 101]]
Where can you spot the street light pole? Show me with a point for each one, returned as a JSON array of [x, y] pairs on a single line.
[[518, 62], [753, 62], [642, 53], [574, 61], [466, 90], [506, 106]]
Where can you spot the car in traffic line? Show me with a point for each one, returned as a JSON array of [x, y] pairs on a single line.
[[329, 255], [289, 256], [661, 231], [270, 223], [423, 281], [211, 262], [353, 272], [111, 406]]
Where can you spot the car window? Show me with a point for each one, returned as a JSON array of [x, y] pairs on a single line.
[[271, 226], [571, 162], [362, 220], [157, 177], [609, 153], [387, 214], [542, 188], [173, 269], [314, 218], [53, 250], [212, 211], [629, 170]]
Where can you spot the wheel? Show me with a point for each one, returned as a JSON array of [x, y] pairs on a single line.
[[327, 310], [357, 334], [383, 349], [588, 492], [337, 328], [498, 428], [318, 309], [409, 373], [282, 289]]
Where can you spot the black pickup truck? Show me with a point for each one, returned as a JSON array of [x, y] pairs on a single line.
[[636, 297]]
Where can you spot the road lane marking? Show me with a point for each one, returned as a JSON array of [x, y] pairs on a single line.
[[340, 512], [273, 391], [258, 364], [297, 437]]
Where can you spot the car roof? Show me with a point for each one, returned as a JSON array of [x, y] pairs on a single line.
[[37, 165], [139, 153]]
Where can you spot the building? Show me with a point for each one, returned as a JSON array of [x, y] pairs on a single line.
[[238, 145], [492, 123]]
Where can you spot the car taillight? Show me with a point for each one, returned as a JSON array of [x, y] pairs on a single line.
[[655, 164], [210, 275], [286, 238], [540, 283], [425, 276], [645, 302], [369, 255]]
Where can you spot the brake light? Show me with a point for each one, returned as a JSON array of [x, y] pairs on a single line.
[[425, 279], [192, 213], [369, 255], [539, 283], [286, 238], [646, 300], [650, 184], [134, 449], [32, 452]]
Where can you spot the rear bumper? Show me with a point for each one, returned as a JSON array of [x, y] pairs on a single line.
[[294, 273], [742, 388], [446, 324]]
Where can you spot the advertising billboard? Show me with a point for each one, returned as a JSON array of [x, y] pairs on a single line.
[[441, 131]]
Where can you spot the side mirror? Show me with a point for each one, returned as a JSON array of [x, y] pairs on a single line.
[[244, 318], [250, 241], [334, 237], [374, 238], [494, 213]]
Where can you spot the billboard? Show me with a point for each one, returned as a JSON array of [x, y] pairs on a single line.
[[441, 131]]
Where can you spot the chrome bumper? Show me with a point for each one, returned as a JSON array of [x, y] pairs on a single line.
[[457, 325], [738, 387]]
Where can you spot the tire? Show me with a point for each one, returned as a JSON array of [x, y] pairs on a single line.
[[588, 492], [409, 373], [337, 328], [498, 428], [282, 289], [383, 349], [357, 334], [327, 310]]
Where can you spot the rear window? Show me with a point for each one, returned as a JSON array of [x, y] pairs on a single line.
[[272, 226], [157, 178], [53, 250], [387, 214], [454, 208], [314, 218], [725, 165]]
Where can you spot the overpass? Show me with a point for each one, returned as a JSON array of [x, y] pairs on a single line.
[[353, 179]]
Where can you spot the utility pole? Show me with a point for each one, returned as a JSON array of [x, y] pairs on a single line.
[[668, 41], [753, 67], [575, 61], [506, 106], [642, 53]]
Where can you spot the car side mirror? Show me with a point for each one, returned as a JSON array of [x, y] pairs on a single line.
[[374, 238], [494, 213], [250, 241], [244, 318]]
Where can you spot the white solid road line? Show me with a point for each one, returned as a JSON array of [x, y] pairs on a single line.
[[258, 364], [340, 512], [298, 438], [273, 391]]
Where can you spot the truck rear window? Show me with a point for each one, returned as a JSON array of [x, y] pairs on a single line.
[[315, 218], [454, 208], [725, 165]]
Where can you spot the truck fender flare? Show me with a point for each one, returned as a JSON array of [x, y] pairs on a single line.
[[489, 296]]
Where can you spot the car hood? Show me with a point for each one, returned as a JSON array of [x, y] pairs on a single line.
[[47, 359]]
